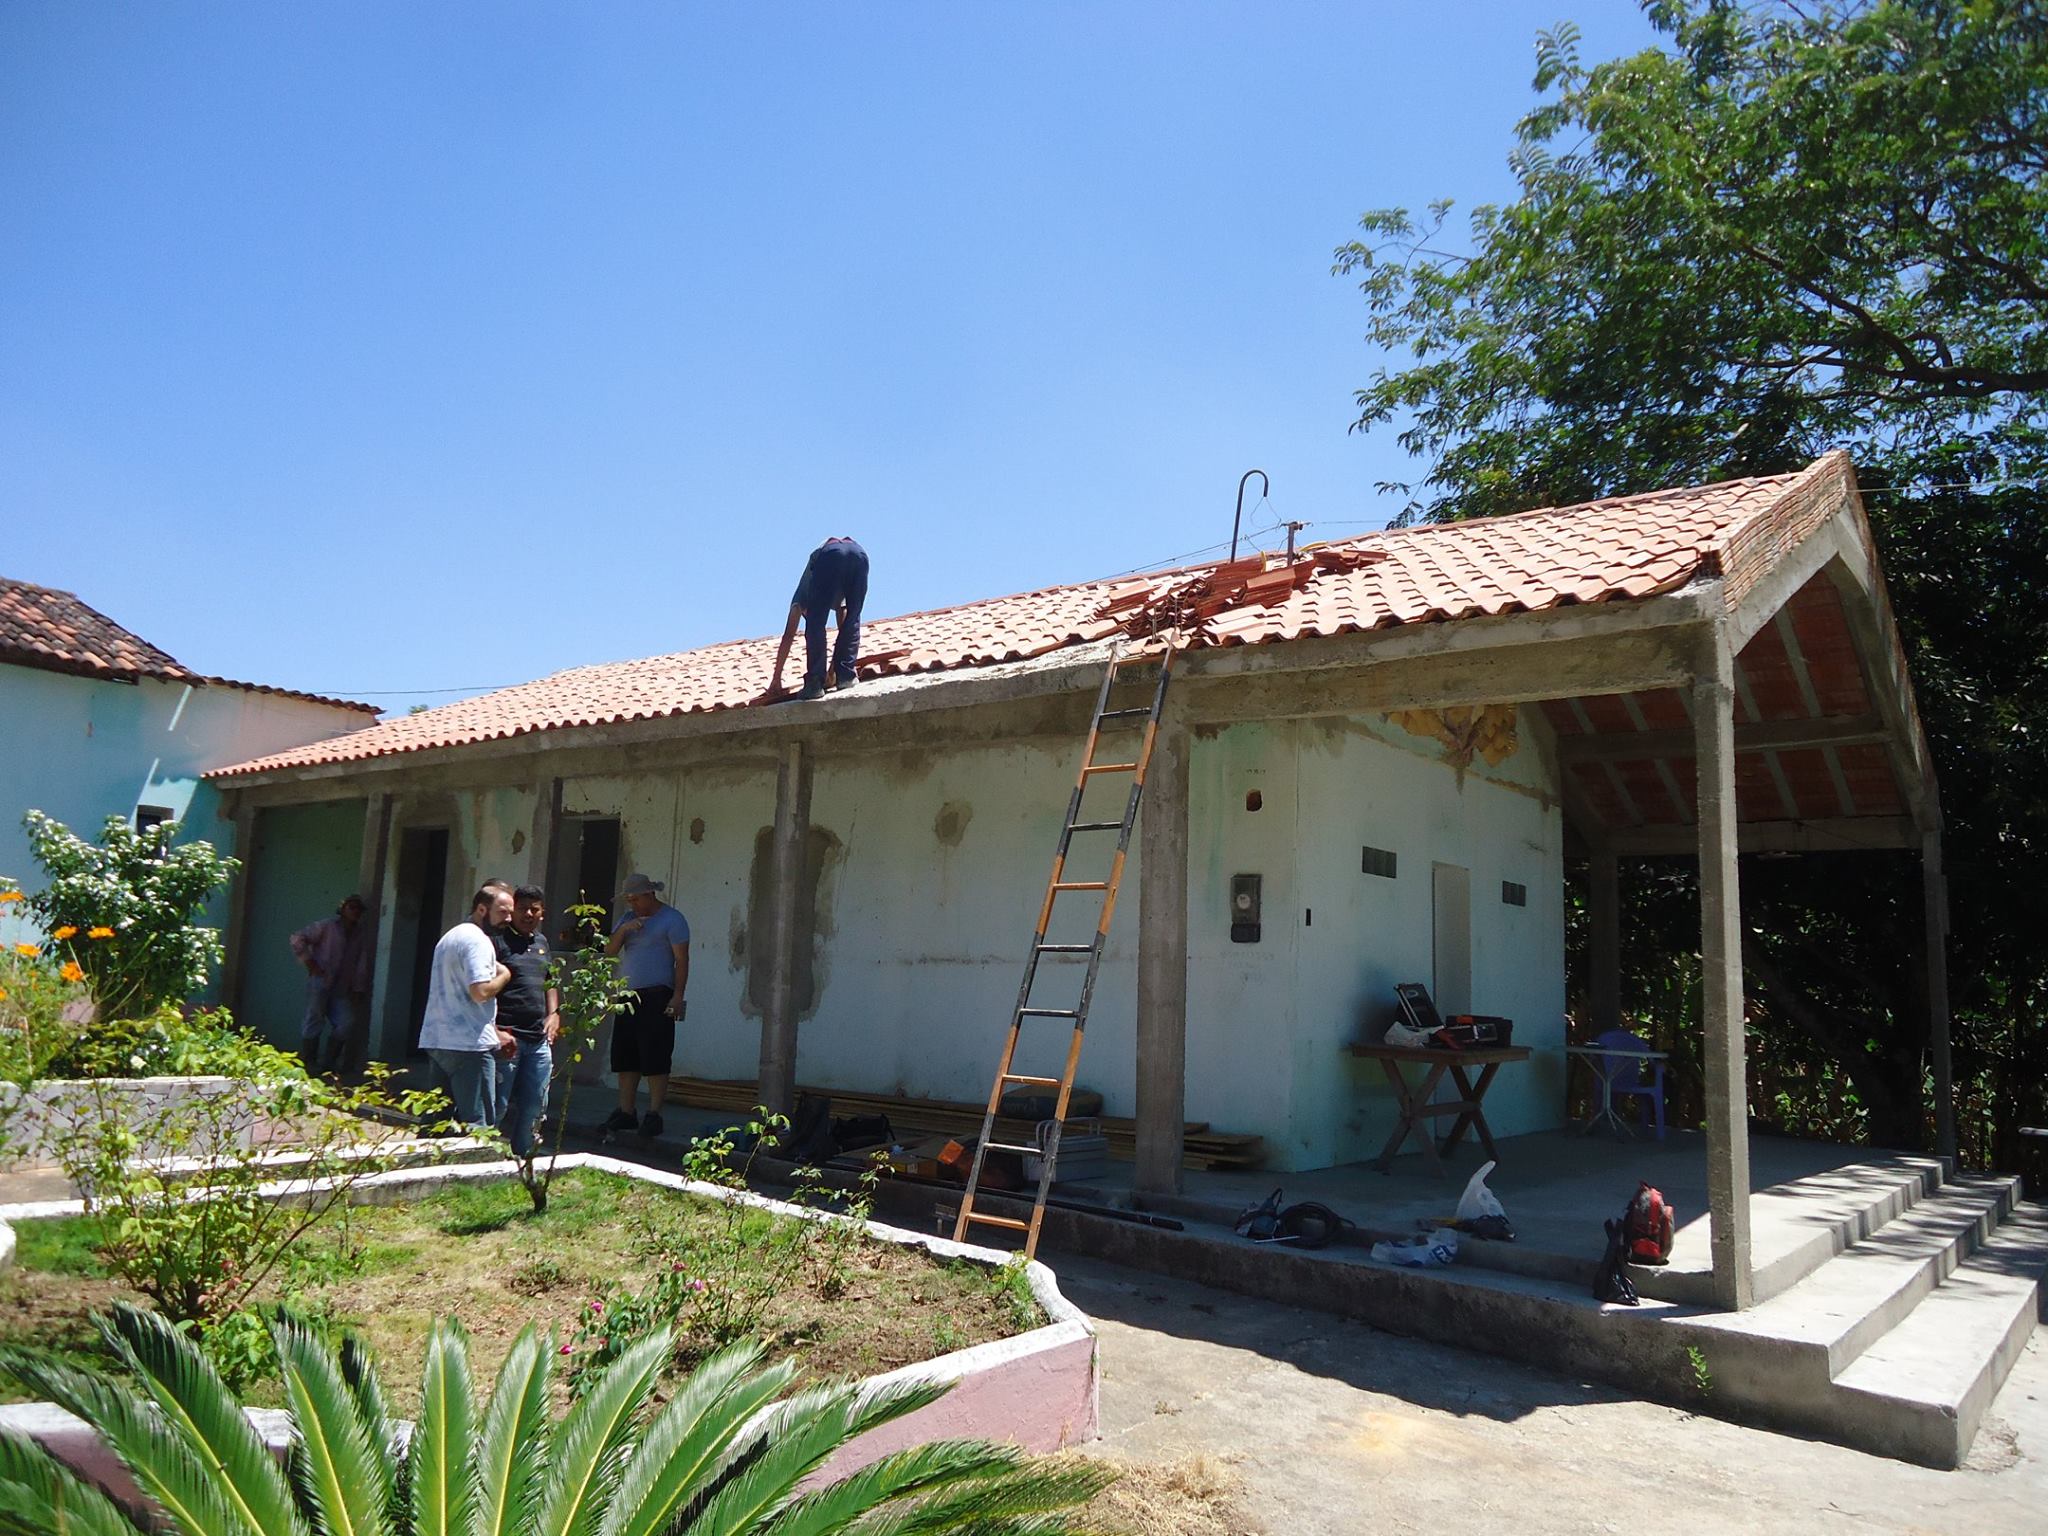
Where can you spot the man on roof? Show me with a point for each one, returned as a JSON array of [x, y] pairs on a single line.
[[835, 581]]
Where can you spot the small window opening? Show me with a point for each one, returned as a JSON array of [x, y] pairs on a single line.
[[1514, 895], [1379, 861]]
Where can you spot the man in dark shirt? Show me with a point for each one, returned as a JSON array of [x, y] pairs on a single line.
[[835, 580], [529, 1009]]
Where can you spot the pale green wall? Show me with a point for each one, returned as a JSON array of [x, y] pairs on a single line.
[[82, 750], [306, 859]]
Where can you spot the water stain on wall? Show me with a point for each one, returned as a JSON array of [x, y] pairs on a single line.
[[816, 885], [697, 829], [950, 825]]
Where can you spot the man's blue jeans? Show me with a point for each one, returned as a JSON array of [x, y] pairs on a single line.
[[323, 1033], [470, 1079], [523, 1092]]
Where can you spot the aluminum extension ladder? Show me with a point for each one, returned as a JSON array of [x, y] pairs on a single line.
[[1026, 1010]]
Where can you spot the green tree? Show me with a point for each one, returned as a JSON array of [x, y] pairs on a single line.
[[1785, 230], [726, 1455]]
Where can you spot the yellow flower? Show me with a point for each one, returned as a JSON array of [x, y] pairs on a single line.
[[27, 951], [100, 933], [7, 896], [68, 931], [71, 972]]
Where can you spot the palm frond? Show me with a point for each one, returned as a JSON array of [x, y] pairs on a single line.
[[437, 1460], [197, 1406], [687, 1445], [40, 1496], [796, 1438], [165, 1466], [583, 1467], [1026, 1499], [334, 1451], [359, 1374], [918, 1470], [511, 1454]]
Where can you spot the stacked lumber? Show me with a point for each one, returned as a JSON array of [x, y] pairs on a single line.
[[909, 1117]]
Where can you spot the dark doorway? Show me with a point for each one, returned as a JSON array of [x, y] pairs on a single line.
[[419, 917], [585, 868]]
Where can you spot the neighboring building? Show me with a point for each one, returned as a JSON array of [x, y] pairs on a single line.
[[97, 722], [1402, 735]]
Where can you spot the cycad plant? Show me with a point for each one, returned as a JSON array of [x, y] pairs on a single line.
[[727, 1455]]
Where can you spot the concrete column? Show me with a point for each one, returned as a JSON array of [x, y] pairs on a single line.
[[235, 941], [1603, 903], [777, 1088], [1934, 887], [370, 886], [1727, 1093], [540, 846], [1163, 960]]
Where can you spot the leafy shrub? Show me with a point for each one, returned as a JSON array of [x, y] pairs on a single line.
[[140, 890]]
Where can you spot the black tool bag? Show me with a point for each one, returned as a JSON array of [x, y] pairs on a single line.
[[1612, 1283], [855, 1133]]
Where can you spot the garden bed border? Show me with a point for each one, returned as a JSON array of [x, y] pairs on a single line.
[[1038, 1390]]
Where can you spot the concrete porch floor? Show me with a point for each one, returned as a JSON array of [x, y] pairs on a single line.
[[1809, 1200]]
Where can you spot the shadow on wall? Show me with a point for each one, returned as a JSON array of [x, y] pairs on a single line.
[[823, 853]]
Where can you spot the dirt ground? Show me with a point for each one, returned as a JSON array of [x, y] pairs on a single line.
[[1241, 1418]]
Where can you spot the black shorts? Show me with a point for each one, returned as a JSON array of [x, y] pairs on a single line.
[[644, 1036]]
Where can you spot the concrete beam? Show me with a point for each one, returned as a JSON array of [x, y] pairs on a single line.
[[1846, 834], [1767, 736], [786, 867], [1162, 1033], [1603, 903], [1934, 889], [1727, 1093], [1565, 667]]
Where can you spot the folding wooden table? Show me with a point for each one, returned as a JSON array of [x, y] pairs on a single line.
[[1417, 1111]]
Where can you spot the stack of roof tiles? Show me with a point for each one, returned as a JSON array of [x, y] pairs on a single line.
[[1616, 549]]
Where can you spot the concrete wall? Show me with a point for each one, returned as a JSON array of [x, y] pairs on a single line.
[[926, 872], [82, 750]]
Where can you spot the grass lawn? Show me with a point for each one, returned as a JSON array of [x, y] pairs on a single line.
[[835, 1307]]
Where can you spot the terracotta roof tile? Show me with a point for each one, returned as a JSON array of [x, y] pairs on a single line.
[[1615, 549], [54, 631]]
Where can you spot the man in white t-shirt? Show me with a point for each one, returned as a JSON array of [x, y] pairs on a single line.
[[460, 1032]]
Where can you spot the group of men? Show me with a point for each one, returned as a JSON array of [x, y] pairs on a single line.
[[493, 1010], [493, 1014]]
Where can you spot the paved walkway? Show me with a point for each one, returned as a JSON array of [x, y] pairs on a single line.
[[1336, 1428]]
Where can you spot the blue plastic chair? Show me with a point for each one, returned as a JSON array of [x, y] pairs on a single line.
[[1624, 1076]]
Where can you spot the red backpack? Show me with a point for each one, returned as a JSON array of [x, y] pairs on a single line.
[[1647, 1227]]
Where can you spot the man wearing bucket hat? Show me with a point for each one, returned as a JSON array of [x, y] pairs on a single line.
[[652, 944]]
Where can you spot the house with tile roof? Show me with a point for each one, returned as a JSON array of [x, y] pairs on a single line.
[[99, 723], [1394, 742]]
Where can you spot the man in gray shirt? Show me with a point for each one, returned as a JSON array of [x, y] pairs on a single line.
[[460, 1031], [653, 949]]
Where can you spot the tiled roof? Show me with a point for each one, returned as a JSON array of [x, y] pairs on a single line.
[[54, 631], [42, 627], [1603, 551]]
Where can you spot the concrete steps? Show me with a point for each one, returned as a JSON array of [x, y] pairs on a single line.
[[1898, 1343]]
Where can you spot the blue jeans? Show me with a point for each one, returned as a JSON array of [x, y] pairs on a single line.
[[323, 1032], [523, 1092], [470, 1079]]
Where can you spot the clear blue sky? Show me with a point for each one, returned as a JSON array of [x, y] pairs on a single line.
[[369, 347]]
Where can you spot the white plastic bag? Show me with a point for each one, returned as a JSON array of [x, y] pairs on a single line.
[[1478, 1200], [1438, 1247]]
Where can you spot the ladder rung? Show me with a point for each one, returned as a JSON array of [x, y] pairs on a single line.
[[1025, 1077], [1095, 826], [1109, 768], [1080, 885], [1065, 949], [1001, 1221], [1005, 1146], [1125, 714], [1049, 1013]]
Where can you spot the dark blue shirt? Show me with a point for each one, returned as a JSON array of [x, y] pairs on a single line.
[[836, 573]]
